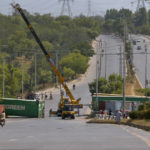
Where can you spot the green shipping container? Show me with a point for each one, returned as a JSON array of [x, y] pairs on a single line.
[[23, 107]]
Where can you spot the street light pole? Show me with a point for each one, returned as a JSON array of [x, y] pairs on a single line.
[[145, 66]]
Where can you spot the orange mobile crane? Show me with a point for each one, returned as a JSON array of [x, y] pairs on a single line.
[[66, 106]]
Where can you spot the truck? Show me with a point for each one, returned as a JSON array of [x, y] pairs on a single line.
[[65, 104]]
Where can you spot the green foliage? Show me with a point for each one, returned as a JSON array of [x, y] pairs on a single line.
[[142, 113], [146, 91], [76, 62], [145, 114], [45, 76], [141, 17], [68, 73], [137, 22], [141, 107], [113, 85], [12, 80], [73, 35]]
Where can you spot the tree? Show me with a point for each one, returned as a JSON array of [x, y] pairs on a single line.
[[111, 14], [141, 17], [75, 61], [113, 85], [68, 73]]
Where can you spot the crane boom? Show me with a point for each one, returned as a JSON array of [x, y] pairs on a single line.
[[48, 57]]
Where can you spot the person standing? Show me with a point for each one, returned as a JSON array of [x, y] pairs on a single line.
[[118, 115]]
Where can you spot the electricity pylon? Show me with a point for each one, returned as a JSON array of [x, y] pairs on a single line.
[[89, 8], [66, 7], [140, 3]]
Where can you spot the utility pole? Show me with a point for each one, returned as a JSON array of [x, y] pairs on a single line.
[[35, 74], [97, 64], [124, 68], [66, 7], [22, 79], [56, 67], [124, 81], [100, 58], [105, 61], [3, 77], [146, 81], [120, 66]]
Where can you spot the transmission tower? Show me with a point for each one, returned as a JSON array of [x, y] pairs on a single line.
[[140, 3], [89, 8], [66, 7]]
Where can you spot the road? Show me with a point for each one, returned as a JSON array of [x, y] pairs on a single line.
[[81, 91], [139, 58], [111, 62], [53, 133], [108, 64], [56, 134]]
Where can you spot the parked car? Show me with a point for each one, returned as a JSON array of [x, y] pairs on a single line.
[[139, 48]]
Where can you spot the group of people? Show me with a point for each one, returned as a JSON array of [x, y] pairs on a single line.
[[46, 96], [104, 114]]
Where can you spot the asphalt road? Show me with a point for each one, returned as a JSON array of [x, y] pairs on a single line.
[[108, 64], [81, 90], [111, 62], [56, 134], [139, 58], [53, 133]]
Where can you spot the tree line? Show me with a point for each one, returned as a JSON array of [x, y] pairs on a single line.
[[68, 40]]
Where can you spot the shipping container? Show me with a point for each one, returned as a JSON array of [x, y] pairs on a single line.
[[2, 108], [23, 107]]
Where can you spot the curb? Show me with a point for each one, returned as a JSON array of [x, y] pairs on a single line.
[[146, 128]]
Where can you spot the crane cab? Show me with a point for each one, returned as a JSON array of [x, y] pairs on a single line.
[[68, 111]]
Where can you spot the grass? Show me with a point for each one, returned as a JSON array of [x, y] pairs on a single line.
[[142, 124]]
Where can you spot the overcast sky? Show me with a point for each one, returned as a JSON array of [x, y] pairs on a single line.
[[77, 7]]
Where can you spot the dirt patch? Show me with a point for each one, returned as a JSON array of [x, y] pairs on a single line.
[[132, 87], [132, 83]]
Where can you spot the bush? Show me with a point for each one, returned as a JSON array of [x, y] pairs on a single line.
[[133, 115], [147, 114], [140, 114], [141, 107]]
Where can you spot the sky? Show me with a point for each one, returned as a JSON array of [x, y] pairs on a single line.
[[54, 7]]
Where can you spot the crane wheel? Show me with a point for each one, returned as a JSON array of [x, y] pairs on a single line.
[[63, 116], [72, 117]]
